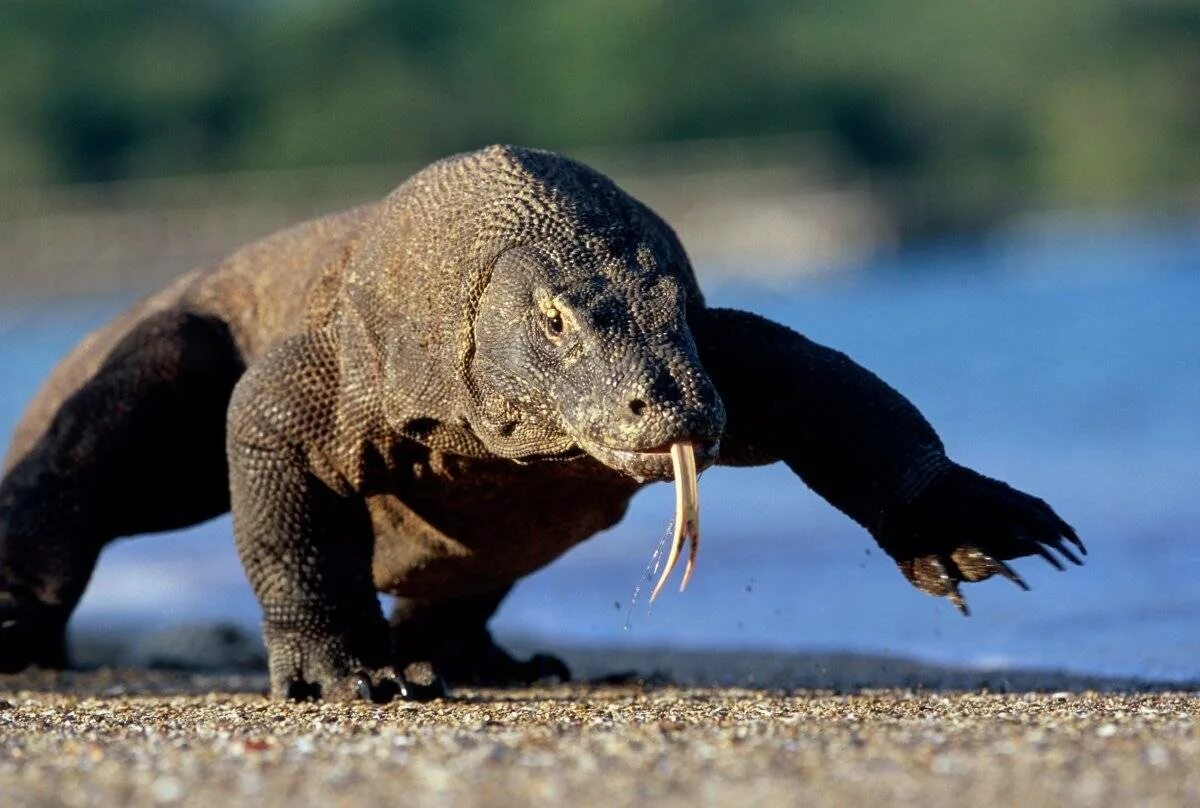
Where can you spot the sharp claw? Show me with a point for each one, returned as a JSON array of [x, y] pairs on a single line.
[[1057, 544], [957, 599], [950, 584], [1071, 535], [1011, 574], [362, 686], [1058, 525], [1051, 524], [1050, 559], [687, 516]]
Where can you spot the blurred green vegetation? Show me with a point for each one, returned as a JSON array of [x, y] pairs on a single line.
[[964, 109]]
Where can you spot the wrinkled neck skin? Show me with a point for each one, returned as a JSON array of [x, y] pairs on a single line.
[[522, 302]]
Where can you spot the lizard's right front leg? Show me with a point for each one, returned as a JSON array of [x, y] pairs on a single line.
[[306, 546]]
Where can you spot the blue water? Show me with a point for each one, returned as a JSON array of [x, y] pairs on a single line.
[[1066, 362]]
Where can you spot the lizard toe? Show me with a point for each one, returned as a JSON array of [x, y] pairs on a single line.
[[422, 682]]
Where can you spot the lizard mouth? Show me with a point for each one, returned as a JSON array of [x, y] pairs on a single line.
[[681, 460], [655, 463]]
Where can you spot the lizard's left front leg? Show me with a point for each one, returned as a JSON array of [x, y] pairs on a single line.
[[868, 451], [307, 546]]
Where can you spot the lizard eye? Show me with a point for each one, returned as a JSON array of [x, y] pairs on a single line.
[[552, 323]]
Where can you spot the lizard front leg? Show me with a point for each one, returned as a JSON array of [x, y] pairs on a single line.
[[306, 543], [868, 451]]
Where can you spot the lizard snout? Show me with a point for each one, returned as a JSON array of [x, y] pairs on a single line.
[[633, 430]]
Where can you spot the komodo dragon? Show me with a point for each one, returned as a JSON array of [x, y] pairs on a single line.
[[437, 394]]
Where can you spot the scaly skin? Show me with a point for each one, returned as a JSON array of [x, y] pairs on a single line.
[[436, 395]]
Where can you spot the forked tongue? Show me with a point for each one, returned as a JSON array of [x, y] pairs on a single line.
[[687, 515]]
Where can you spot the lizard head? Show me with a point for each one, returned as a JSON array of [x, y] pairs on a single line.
[[592, 357], [561, 303]]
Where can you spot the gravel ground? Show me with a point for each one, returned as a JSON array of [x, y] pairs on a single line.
[[146, 737]]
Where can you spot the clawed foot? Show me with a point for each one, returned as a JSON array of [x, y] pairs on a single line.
[[964, 526], [308, 666], [418, 682]]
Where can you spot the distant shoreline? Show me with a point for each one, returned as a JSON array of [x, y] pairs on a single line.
[[134, 236]]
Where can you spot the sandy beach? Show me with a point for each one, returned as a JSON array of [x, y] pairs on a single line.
[[136, 737]]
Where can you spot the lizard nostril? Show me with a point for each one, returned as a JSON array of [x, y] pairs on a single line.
[[637, 407]]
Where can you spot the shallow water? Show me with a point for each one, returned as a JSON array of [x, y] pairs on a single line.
[[1065, 362]]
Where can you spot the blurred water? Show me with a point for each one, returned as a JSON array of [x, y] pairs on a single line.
[[1064, 361]]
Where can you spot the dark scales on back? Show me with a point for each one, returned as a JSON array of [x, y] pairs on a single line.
[[436, 395]]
